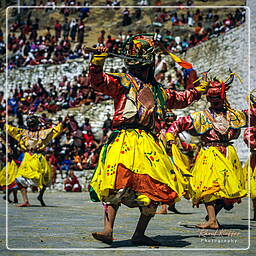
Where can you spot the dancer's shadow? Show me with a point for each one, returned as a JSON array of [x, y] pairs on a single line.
[[37, 205], [225, 226], [235, 226], [252, 220], [167, 241]]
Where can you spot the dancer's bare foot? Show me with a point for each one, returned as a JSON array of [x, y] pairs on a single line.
[[106, 238], [144, 240], [162, 212], [207, 218], [209, 225], [24, 205]]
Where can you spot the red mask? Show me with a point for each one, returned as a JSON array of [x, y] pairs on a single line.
[[216, 92]]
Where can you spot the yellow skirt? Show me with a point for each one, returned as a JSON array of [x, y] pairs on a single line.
[[252, 174], [12, 172], [135, 159], [182, 163], [36, 167], [216, 176]]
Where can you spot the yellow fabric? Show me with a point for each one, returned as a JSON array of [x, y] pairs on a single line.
[[12, 171], [252, 174], [215, 176], [182, 163], [203, 86], [35, 166], [170, 136], [99, 59], [180, 160], [142, 198], [137, 151], [33, 140], [201, 122]]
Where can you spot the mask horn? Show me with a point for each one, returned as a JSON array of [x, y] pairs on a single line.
[[230, 80]]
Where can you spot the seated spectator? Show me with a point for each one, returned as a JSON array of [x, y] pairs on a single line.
[[101, 38], [66, 165], [71, 183], [86, 126]]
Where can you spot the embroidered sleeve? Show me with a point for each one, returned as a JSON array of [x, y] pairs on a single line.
[[103, 82], [180, 125], [250, 137], [14, 132], [251, 116], [180, 100]]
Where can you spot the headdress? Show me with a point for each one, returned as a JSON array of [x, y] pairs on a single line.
[[141, 48]]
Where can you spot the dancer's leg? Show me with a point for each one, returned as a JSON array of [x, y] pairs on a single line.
[[219, 204], [15, 195], [25, 198], [212, 223], [139, 237], [41, 194], [106, 236]]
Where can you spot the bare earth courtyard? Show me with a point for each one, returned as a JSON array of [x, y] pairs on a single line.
[[70, 218]]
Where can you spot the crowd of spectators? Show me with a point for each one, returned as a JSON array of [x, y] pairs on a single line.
[[39, 97], [198, 26], [201, 26], [59, 43], [63, 40]]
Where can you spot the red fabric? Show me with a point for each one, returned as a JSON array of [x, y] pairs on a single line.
[[144, 184], [250, 140], [250, 137], [110, 86], [186, 124]]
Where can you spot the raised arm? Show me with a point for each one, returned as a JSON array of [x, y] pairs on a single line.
[[46, 136], [180, 100], [101, 81], [14, 132]]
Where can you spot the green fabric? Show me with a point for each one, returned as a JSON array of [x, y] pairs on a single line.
[[93, 195], [158, 95], [111, 138]]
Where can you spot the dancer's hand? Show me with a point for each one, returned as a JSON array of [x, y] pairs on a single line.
[[170, 139], [99, 56], [203, 86]]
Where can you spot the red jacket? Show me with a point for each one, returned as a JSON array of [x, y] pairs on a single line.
[[124, 87]]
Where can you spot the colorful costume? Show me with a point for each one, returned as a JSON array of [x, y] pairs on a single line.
[[250, 165], [134, 166], [10, 182], [34, 168], [217, 172]]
